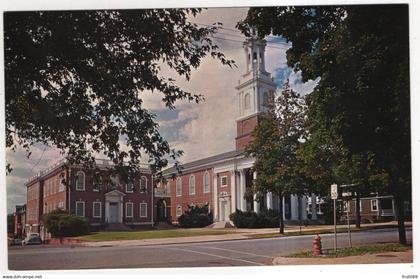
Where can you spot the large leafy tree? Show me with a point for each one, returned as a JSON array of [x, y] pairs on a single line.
[[361, 105], [74, 79], [277, 139]]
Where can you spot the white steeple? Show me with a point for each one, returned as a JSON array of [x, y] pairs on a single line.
[[256, 84]]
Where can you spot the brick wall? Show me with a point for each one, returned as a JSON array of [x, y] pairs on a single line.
[[199, 198]]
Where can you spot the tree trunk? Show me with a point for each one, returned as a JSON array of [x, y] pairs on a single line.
[[281, 225], [399, 204], [357, 217]]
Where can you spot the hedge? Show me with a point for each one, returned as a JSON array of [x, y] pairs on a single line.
[[196, 217]]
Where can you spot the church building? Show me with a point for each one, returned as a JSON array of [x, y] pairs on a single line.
[[224, 181]]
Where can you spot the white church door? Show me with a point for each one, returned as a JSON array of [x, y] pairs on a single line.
[[224, 210], [113, 212]]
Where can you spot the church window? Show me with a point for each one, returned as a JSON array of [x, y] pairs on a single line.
[[192, 185], [247, 101], [178, 187], [265, 99], [206, 182], [80, 181], [143, 184]]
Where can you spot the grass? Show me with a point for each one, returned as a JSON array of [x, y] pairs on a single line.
[[355, 251], [149, 234], [306, 231]]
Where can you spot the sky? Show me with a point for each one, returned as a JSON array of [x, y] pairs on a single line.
[[200, 130]]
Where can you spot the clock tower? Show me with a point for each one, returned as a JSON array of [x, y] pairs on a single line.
[[254, 89]]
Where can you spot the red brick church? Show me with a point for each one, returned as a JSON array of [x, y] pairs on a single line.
[[222, 181]]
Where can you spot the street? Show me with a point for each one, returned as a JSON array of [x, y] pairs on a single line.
[[207, 254]]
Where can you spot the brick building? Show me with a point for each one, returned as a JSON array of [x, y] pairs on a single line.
[[101, 199]]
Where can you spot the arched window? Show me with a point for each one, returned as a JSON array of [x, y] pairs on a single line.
[[265, 99], [247, 101], [254, 57], [178, 187], [206, 182], [80, 181], [143, 183], [192, 185]]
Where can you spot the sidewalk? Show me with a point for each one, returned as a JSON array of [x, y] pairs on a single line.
[[235, 234], [381, 258]]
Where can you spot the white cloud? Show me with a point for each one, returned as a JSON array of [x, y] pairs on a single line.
[[200, 130]]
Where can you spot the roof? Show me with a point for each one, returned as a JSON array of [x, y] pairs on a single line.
[[209, 161]]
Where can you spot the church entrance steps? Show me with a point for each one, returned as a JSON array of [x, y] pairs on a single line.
[[221, 225]]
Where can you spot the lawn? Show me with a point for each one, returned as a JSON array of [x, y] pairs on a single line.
[[355, 251], [309, 231], [149, 234]]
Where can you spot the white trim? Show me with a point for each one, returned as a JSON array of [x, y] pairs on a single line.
[[371, 205], [126, 210], [206, 173], [93, 209], [143, 216], [145, 188], [77, 180], [126, 187], [80, 202], [221, 181], [191, 185], [178, 187]]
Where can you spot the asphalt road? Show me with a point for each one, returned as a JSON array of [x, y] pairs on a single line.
[[209, 254]]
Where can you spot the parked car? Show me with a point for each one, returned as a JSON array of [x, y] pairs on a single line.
[[16, 241], [32, 238]]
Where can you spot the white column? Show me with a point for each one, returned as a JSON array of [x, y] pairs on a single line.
[[303, 207], [313, 207], [232, 191], [243, 189], [294, 207], [106, 211], [256, 203], [269, 200], [215, 201]]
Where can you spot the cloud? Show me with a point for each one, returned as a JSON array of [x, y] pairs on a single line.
[[200, 130]]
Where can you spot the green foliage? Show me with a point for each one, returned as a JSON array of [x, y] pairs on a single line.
[[196, 217], [59, 223], [76, 78], [358, 117], [249, 219]]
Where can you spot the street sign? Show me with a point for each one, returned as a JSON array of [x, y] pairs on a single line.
[[334, 192], [347, 194]]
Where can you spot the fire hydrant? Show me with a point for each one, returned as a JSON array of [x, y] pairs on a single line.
[[317, 245]]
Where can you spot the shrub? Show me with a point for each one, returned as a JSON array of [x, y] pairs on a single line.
[[60, 223], [249, 219], [196, 217]]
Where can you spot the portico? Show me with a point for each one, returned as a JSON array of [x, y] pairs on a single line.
[[114, 206]]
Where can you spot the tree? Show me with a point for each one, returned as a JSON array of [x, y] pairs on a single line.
[[277, 138], [74, 79], [60, 224], [362, 101]]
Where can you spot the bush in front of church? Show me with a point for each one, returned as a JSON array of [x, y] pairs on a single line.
[[249, 219], [196, 217], [60, 224]]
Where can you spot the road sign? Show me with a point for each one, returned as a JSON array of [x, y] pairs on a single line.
[[334, 192]]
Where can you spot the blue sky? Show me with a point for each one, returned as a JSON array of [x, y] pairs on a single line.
[[199, 130]]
